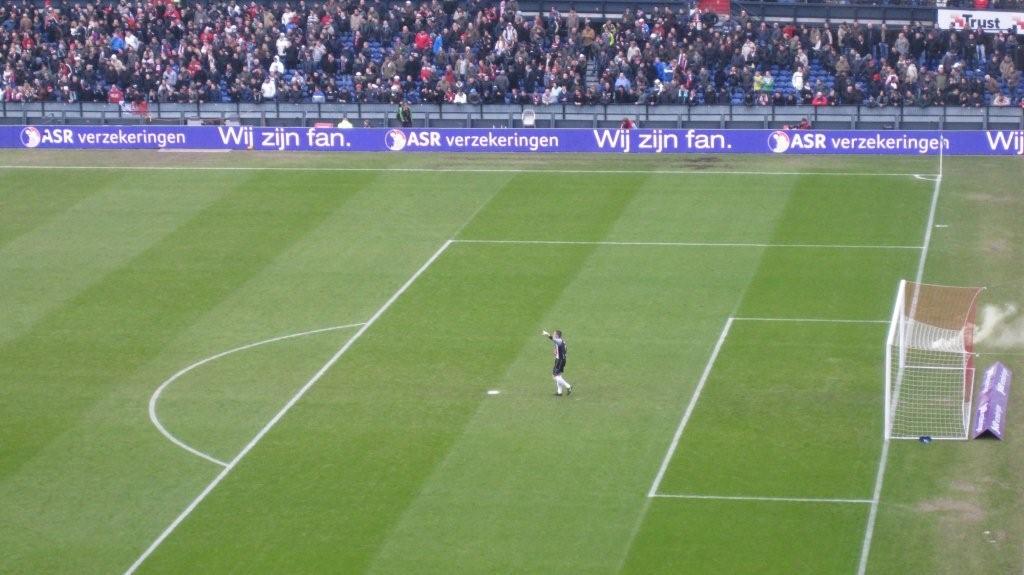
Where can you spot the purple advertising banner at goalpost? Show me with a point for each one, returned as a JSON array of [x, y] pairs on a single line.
[[990, 415]]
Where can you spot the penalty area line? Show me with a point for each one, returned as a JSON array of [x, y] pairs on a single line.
[[653, 492], [280, 414]]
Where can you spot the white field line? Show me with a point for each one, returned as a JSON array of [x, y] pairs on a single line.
[[883, 460], [915, 437], [163, 386], [689, 409], [809, 320], [746, 498], [449, 170], [277, 417], [686, 244]]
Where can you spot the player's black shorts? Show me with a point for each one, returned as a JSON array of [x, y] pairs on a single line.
[[559, 367]]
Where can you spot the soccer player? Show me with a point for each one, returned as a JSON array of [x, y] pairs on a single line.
[[560, 353]]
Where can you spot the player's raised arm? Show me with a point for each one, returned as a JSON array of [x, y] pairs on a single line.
[[545, 334]]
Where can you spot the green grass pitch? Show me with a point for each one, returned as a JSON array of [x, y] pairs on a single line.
[[316, 335]]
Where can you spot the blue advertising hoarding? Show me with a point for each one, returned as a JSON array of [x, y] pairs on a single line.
[[636, 141]]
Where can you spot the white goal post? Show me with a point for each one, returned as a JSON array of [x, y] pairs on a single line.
[[929, 362]]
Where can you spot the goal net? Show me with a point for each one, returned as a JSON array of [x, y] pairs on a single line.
[[929, 371]]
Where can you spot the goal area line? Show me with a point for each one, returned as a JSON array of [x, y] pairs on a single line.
[[695, 398], [810, 320], [682, 244], [760, 498], [930, 438]]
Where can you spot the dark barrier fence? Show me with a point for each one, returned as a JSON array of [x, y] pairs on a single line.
[[511, 116]]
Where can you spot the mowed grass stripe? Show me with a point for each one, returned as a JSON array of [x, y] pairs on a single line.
[[853, 211], [739, 210], [349, 459], [729, 209], [825, 284], [65, 253], [92, 327], [350, 262], [558, 207], [736, 209], [28, 201], [84, 352]]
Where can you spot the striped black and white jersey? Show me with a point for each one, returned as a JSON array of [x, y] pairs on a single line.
[[560, 349]]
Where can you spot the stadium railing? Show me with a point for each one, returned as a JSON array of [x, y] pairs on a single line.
[[558, 116], [863, 12]]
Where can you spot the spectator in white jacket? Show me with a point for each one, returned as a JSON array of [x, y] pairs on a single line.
[[277, 67], [283, 43], [798, 79], [269, 89]]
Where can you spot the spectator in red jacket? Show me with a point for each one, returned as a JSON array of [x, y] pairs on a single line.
[[115, 95], [422, 41], [820, 99]]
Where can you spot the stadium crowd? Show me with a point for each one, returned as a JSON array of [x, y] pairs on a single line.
[[478, 51]]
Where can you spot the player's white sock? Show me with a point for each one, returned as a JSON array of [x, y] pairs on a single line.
[[562, 383], [558, 387]]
